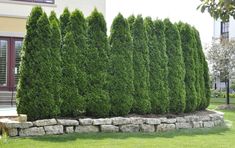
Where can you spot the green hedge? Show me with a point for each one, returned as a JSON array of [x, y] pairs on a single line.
[[70, 68]]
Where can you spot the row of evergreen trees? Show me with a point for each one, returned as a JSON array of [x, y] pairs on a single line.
[[69, 67]]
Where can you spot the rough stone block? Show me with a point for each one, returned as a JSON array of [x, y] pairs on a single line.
[[109, 128], [192, 118], [130, 128], [165, 127], [208, 124], [152, 121], [198, 124], [218, 122], [163, 120], [22, 118], [54, 130], [45, 122], [33, 131], [183, 125], [106, 121], [86, 121], [147, 128], [13, 132], [171, 121], [121, 121], [69, 129], [204, 118], [87, 129], [136, 120], [67, 122], [180, 120], [15, 124]]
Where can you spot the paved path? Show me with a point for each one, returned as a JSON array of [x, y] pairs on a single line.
[[7, 111]]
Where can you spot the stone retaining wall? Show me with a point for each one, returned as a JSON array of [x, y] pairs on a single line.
[[116, 124]]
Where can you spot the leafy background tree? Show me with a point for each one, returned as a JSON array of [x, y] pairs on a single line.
[[158, 90], [98, 102], [121, 57], [141, 103], [176, 68]]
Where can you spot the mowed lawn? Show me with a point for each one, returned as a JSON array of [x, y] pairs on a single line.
[[197, 138]]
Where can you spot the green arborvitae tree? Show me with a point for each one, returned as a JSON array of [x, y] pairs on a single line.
[[187, 44], [141, 102], [56, 68], [158, 91], [54, 17], [72, 102], [65, 22], [40, 93], [176, 68], [79, 32], [204, 74], [131, 20], [98, 102], [121, 86], [25, 90]]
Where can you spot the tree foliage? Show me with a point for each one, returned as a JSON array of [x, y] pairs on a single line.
[[98, 102], [158, 90], [64, 22], [141, 68], [176, 68], [222, 9], [121, 68]]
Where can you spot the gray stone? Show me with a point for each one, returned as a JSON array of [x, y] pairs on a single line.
[[121, 121], [208, 124], [204, 118], [22, 118], [180, 120], [87, 129], [218, 122], [163, 120], [33, 131], [106, 121], [86, 121], [69, 129], [192, 118], [171, 121], [109, 128], [67, 122], [54, 130], [183, 125], [147, 128], [131, 128], [13, 132], [214, 117], [45, 122], [136, 120], [165, 127], [152, 121], [198, 124], [16, 124]]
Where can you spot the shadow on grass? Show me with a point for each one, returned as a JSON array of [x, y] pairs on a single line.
[[102, 136]]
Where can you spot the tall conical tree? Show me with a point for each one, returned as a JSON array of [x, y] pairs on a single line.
[[56, 60], [158, 91], [65, 22], [54, 17], [121, 72], [73, 103], [98, 102], [187, 44], [131, 20], [25, 88], [204, 74], [176, 68], [141, 68], [79, 32]]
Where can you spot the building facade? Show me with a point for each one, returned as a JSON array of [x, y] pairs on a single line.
[[13, 17]]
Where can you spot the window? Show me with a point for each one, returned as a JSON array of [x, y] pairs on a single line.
[[225, 30], [38, 1]]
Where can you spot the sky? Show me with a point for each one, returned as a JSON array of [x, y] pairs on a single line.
[[175, 10]]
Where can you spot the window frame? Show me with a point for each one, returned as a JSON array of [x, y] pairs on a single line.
[[37, 1], [224, 30]]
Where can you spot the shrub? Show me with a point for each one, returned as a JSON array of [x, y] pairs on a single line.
[[73, 103], [141, 103], [65, 22], [121, 70], [54, 17], [98, 102], [79, 32], [158, 90], [175, 67], [187, 44]]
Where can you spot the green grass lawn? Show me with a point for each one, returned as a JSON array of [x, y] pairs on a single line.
[[197, 138]]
